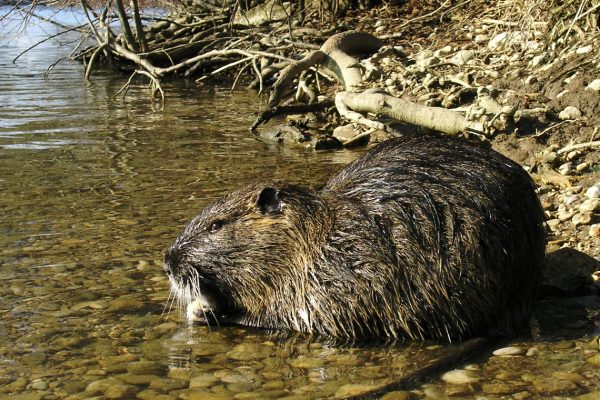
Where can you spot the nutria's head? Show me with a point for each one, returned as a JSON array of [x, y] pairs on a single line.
[[243, 259]]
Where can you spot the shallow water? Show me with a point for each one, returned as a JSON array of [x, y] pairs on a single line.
[[94, 189]]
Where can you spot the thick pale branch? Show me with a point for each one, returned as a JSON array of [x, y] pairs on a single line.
[[336, 55], [381, 103]]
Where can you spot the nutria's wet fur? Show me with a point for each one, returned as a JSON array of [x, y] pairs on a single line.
[[421, 237]]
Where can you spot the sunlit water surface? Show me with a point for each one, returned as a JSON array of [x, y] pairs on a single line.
[[95, 188]]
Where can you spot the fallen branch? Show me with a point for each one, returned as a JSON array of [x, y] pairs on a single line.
[[381, 103], [578, 146]]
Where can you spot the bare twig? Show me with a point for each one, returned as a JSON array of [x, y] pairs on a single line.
[[578, 146]]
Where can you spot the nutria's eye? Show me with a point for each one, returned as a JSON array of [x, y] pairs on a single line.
[[215, 226]]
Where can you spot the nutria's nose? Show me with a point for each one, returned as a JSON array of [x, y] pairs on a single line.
[[172, 261]]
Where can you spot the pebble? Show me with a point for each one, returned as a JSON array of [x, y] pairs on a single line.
[[565, 169], [533, 351], [397, 395], [568, 200], [552, 386], [594, 85], [121, 392], [590, 205], [498, 388], [593, 192], [584, 50], [584, 218], [568, 376], [147, 368], [353, 390], [460, 377], [594, 360], [462, 57], [569, 112], [249, 351], [39, 384], [166, 385], [509, 351], [203, 381], [553, 223], [582, 167], [595, 230]]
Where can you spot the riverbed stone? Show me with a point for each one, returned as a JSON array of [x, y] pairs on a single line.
[[39, 384], [204, 395], [121, 392], [139, 380], [594, 360], [203, 381], [553, 386], [166, 385], [147, 368], [398, 395], [460, 377], [249, 351], [306, 362], [353, 389], [101, 385], [510, 351]]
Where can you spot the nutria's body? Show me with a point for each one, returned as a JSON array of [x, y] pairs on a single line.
[[422, 237]]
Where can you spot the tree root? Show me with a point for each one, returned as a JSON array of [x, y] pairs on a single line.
[[336, 55]]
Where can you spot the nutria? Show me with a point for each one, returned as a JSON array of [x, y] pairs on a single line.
[[421, 237]]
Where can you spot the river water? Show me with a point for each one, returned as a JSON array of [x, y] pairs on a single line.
[[95, 188]]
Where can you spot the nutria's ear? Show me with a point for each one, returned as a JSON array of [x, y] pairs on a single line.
[[269, 201]]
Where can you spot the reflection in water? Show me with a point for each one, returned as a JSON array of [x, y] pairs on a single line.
[[93, 189]]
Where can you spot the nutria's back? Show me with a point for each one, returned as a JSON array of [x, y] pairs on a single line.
[[422, 237]]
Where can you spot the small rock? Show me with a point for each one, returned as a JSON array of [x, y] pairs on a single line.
[[582, 167], [497, 40], [593, 192], [537, 60], [568, 376], [569, 200], [509, 351], [249, 351], [584, 50], [553, 386], [530, 80], [397, 395], [594, 360], [351, 390], [565, 169], [584, 218], [39, 384], [121, 392], [569, 112], [588, 396], [573, 154], [462, 57], [590, 206], [553, 223], [533, 351], [203, 381], [595, 230], [166, 385], [460, 377], [594, 85], [498, 388], [147, 368]]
